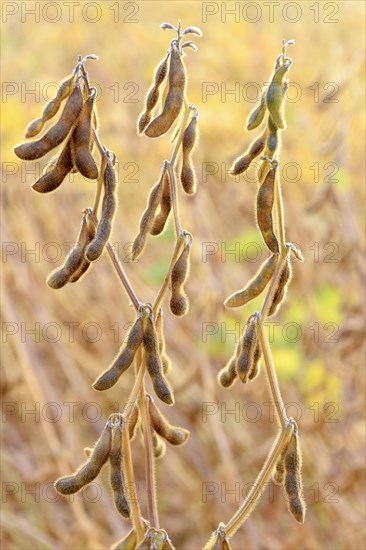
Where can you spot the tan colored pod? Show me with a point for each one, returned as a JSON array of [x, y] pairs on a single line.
[[159, 447], [244, 362], [159, 325], [255, 286], [160, 219], [53, 178], [279, 472], [228, 374], [148, 217], [179, 303], [188, 175], [116, 478], [153, 95], [55, 135], [241, 164], [82, 139], [175, 435], [275, 96], [174, 100], [61, 276], [257, 354], [257, 115], [52, 107], [85, 264], [69, 485], [293, 483], [265, 200], [109, 207], [153, 363], [124, 358], [279, 295]]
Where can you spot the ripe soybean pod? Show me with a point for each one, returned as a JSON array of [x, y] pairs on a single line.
[[165, 208], [256, 286], [265, 200], [293, 483], [109, 206], [82, 136], [188, 175], [52, 107], [175, 435], [153, 362], [257, 115], [53, 178], [60, 276], [179, 303], [35, 149], [69, 485], [116, 477], [124, 358], [174, 99], [153, 95], [148, 217], [275, 95], [242, 163]]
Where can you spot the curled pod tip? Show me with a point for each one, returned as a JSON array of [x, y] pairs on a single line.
[[175, 435], [228, 375]]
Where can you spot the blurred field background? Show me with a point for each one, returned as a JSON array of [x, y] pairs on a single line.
[[321, 370]]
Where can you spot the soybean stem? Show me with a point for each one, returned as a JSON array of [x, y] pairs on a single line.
[[149, 460], [271, 375], [131, 485], [121, 274]]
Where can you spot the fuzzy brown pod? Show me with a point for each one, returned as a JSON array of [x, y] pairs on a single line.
[[257, 354], [81, 138], [278, 475], [175, 435], [69, 485], [257, 115], [255, 286], [282, 285], [85, 264], [132, 421], [242, 163], [174, 99], [293, 483], [228, 374], [221, 541], [36, 149], [275, 96], [59, 169], [116, 478], [109, 206], [188, 175], [52, 107], [75, 258], [161, 217], [179, 303], [273, 139], [265, 200], [245, 358], [159, 325], [148, 217], [124, 358], [159, 447], [153, 362], [153, 95]]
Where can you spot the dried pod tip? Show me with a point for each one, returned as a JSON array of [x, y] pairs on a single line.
[[193, 30], [165, 26]]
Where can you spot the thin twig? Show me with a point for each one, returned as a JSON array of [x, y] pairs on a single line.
[[149, 460], [121, 274]]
